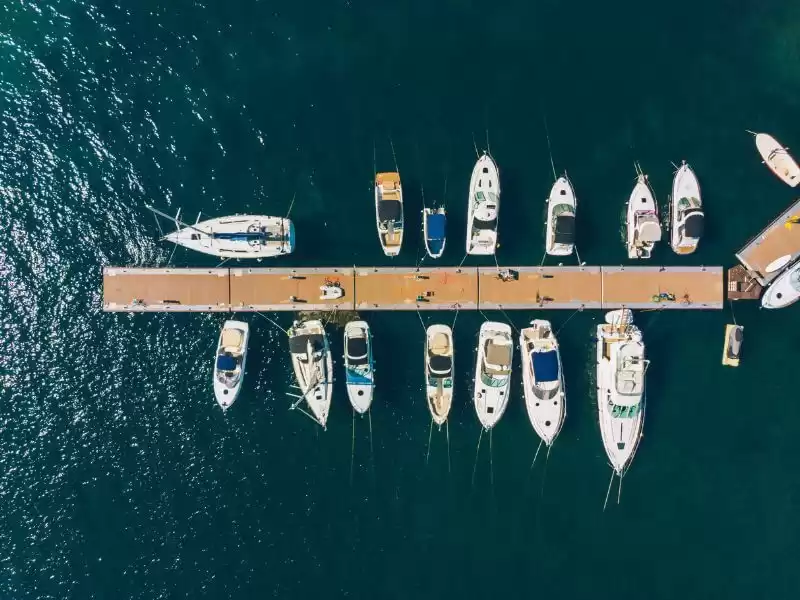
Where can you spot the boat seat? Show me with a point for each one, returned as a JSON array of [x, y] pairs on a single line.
[[232, 338], [440, 344]]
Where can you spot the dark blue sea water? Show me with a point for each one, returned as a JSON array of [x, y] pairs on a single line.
[[119, 476]]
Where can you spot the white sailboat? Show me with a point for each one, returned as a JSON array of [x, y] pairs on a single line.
[[358, 365], [484, 207], [621, 369], [238, 236], [313, 367], [644, 229], [229, 362], [785, 290], [561, 210], [493, 372], [543, 380], [686, 208], [439, 360], [778, 159], [389, 212]]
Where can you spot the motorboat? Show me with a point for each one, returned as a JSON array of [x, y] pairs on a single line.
[[313, 367], [493, 372], [439, 361], [778, 159], [561, 209], [238, 236], [644, 228], [484, 207], [358, 365], [621, 368], [433, 229], [230, 361], [785, 290], [733, 345], [389, 212], [686, 211], [543, 380]]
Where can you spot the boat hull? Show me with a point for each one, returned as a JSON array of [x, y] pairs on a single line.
[[562, 193], [491, 399], [200, 237], [778, 159], [439, 396], [482, 219], [641, 202], [224, 394], [546, 414], [390, 228], [784, 291], [314, 379], [684, 185], [434, 247], [359, 379]]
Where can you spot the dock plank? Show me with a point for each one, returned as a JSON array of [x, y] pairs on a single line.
[[639, 287], [412, 289], [290, 289], [165, 290], [541, 287], [774, 242]]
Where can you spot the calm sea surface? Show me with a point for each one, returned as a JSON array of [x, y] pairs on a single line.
[[120, 477]]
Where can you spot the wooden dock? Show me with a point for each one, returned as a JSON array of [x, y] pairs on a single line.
[[768, 253], [446, 288]]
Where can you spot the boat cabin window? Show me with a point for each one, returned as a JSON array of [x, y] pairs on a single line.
[[485, 169], [621, 411], [195, 236]]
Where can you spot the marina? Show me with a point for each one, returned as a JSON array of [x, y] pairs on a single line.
[[447, 288], [774, 248]]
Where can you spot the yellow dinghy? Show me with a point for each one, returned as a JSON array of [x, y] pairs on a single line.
[[733, 345]]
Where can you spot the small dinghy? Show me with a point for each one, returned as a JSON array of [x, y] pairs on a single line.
[[561, 207], [240, 236], [778, 159], [733, 345], [687, 219], [784, 291], [230, 362], [389, 212], [331, 291], [439, 371], [493, 372], [543, 380], [313, 367], [644, 229], [484, 207], [433, 228], [621, 368], [359, 372]]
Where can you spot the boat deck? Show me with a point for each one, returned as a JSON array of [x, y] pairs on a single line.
[[447, 288], [779, 239], [742, 285]]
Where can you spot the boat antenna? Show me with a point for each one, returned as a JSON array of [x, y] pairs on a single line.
[[549, 148], [477, 451], [613, 472]]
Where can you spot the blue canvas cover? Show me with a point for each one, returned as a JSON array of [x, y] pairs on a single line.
[[436, 224], [226, 363], [545, 366]]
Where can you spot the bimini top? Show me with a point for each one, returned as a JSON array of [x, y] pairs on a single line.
[[357, 350], [298, 344], [694, 225], [226, 363], [390, 210], [545, 366], [565, 229], [436, 224], [649, 228]]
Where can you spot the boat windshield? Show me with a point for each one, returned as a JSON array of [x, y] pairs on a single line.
[[440, 365], [621, 411], [226, 362], [357, 351], [794, 280]]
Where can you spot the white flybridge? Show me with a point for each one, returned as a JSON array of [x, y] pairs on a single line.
[[644, 228], [785, 290], [359, 372], [561, 208], [686, 211], [389, 212], [621, 369], [484, 207], [313, 367], [229, 362], [543, 380], [777, 158], [493, 372], [439, 371], [238, 236]]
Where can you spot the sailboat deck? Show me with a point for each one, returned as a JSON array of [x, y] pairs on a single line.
[[780, 238], [448, 288]]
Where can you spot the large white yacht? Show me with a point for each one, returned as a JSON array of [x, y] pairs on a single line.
[[493, 372], [484, 207]]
